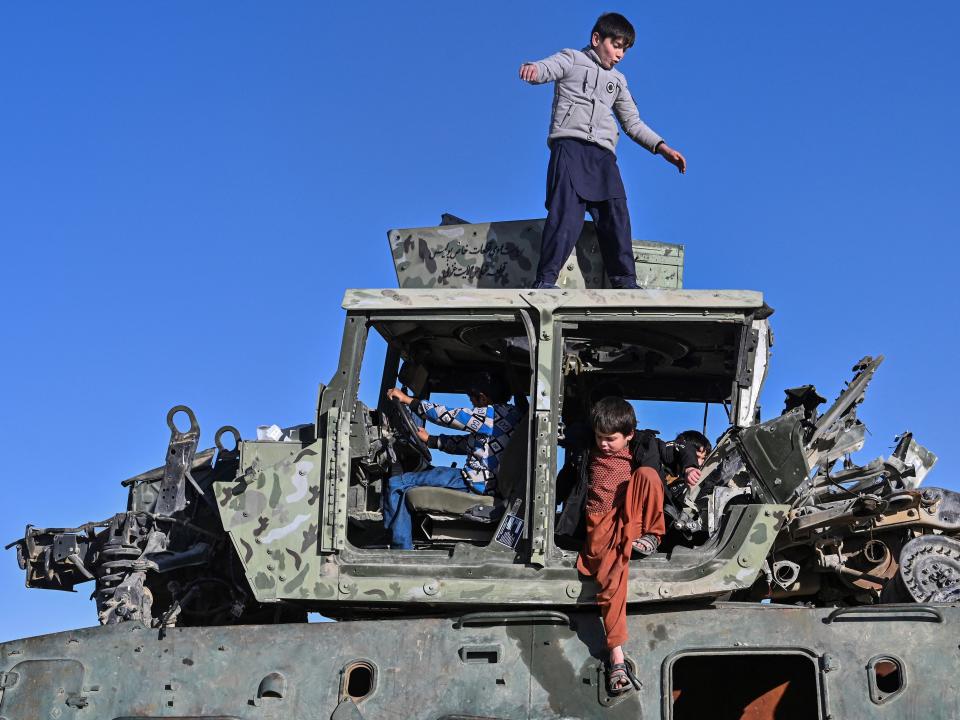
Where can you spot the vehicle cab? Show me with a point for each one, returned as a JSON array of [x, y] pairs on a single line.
[[306, 519]]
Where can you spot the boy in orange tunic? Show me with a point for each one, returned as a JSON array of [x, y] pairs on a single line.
[[624, 515]]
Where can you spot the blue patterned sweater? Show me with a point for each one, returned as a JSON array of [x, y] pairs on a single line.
[[490, 428]]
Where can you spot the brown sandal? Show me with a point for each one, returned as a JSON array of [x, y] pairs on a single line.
[[618, 681], [644, 545]]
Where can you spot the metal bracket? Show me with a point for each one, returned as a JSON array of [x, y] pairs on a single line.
[[530, 617], [182, 448], [906, 609], [749, 340]]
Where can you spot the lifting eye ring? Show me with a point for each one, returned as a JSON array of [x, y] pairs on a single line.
[[174, 430], [227, 429]]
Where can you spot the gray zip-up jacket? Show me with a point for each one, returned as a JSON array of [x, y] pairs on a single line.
[[584, 94]]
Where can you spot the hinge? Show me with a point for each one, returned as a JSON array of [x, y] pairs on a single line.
[[749, 340], [329, 474], [8, 679]]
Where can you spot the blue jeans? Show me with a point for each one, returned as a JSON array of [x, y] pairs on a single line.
[[396, 516]]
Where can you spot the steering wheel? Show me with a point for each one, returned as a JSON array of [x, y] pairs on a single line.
[[407, 430]]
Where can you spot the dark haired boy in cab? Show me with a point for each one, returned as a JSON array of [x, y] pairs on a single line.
[[490, 421], [583, 174], [624, 517], [671, 460], [689, 441], [701, 445]]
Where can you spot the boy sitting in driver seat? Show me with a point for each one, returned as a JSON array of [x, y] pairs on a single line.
[[491, 422]]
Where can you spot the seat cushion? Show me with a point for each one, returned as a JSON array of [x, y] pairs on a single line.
[[444, 500]]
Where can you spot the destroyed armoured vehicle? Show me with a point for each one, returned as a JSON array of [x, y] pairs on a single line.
[[265, 530]]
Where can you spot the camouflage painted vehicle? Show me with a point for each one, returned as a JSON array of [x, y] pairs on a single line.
[[218, 546]]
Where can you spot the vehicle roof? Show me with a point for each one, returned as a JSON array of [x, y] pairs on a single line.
[[743, 301]]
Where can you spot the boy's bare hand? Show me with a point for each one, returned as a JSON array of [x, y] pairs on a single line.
[[528, 72], [423, 434], [692, 476], [673, 157], [395, 394]]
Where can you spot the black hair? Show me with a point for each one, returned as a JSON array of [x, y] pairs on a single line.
[[698, 439], [490, 385], [616, 26], [613, 415]]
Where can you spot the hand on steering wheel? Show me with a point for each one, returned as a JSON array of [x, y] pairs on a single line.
[[409, 430]]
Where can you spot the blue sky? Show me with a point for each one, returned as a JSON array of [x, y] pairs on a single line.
[[186, 189]]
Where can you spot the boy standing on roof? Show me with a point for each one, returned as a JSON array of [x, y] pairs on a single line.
[[583, 173]]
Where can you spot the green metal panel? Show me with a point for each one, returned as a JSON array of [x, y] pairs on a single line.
[[271, 513], [438, 300], [505, 255]]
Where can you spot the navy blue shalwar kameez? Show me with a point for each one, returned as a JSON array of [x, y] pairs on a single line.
[[583, 177]]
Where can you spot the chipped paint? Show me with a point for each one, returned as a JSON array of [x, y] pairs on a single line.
[[282, 532]]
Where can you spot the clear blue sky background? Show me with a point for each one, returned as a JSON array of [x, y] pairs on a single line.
[[186, 189]]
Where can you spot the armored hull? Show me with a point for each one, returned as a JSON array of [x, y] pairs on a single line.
[[727, 660]]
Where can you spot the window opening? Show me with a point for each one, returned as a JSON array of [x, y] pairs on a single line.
[[729, 686], [439, 361], [371, 370], [359, 680], [886, 678], [670, 371]]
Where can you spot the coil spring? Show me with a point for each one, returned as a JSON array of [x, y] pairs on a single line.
[[116, 557]]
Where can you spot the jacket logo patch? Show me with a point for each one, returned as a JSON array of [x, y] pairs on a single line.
[[609, 87]]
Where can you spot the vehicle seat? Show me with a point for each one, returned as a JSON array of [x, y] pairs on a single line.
[[444, 501]]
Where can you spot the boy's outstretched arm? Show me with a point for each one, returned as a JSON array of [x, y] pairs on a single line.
[[472, 419], [629, 118], [528, 72], [637, 130], [672, 156], [548, 69]]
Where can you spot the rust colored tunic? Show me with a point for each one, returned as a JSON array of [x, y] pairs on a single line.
[[609, 477], [610, 533]]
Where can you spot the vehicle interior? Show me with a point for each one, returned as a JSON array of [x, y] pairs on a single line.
[[678, 376], [672, 371], [435, 361]]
